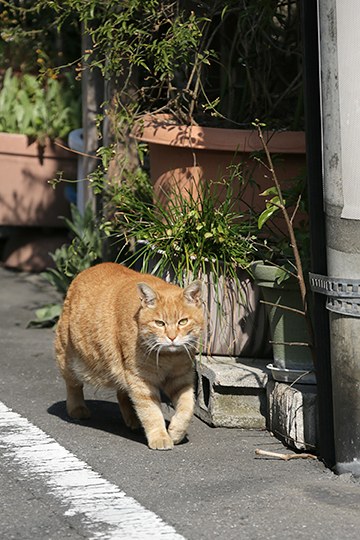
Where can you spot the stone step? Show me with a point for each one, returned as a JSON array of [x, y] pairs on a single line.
[[293, 415], [231, 392]]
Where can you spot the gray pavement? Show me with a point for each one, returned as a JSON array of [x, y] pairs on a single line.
[[212, 486]]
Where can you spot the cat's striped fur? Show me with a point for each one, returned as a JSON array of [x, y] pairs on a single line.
[[137, 334]]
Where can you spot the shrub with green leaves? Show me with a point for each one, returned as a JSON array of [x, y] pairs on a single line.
[[84, 251], [273, 242], [236, 60], [191, 232], [30, 42], [38, 109], [149, 49]]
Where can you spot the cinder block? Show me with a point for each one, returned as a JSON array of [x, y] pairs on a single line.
[[293, 414], [231, 393]]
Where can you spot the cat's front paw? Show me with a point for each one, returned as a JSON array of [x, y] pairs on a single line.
[[161, 442]]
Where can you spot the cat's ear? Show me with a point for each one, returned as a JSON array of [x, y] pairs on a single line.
[[193, 293], [147, 295]]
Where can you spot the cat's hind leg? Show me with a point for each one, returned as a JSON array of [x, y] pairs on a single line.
[[75, 403], [127, 410]]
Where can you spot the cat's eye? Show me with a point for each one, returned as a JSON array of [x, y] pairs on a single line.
[[160, 323], [182, 322]]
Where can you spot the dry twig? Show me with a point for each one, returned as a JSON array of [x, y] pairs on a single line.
[[293, 242], [284, 457]]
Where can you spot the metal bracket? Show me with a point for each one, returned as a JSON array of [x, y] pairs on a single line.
[[343, 295]]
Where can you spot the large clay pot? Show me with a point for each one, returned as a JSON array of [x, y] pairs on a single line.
[[182, 156], [26, 196]]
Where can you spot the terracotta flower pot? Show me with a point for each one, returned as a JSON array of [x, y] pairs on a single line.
[[182, 156], [26, 197], [28, 248]]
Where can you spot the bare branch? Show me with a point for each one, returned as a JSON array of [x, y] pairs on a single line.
[[293, 242], [286, 308], [284, 457], [298, 343], [57, 143]]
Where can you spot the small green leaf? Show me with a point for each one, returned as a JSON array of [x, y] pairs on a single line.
[[270, 191], [266, 214], [46, 316], [281, 275]]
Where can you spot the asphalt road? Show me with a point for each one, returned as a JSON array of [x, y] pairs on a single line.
[[212, 486]]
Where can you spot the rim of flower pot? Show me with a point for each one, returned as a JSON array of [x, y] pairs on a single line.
[[19, 144], [265, 275], [164, 129]]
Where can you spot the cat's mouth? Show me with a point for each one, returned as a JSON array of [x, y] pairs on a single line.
[[159, 347], [171, 348], [177, 347]]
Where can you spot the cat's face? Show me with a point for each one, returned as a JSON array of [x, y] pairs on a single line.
[[170, 322]]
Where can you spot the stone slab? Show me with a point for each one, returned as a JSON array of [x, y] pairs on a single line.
[[231, 392], [293, 415]]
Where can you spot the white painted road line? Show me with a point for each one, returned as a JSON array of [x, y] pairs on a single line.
[[106, 511]]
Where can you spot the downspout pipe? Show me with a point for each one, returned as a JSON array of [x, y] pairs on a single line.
[[339, 22], [309, 17]]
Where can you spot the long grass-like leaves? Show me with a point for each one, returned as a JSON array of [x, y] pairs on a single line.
[[190, 230]]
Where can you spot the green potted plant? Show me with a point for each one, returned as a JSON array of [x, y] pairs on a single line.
[[35, 118], [281, 276], [205, 125], [82, 249], [183, 73], [38, 108], [290, 337], [202, 237], [33, 115], [225, 61]]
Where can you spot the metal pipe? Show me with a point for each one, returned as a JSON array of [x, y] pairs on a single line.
[[317, 226], [340, 89]]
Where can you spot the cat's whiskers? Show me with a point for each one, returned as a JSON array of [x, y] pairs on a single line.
[[157, 357], [187, 352], [154, 346], [151, 347], [191, 341]]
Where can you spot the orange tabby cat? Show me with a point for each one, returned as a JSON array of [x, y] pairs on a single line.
[[137, 334]]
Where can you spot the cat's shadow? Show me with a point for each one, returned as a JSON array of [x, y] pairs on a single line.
[[105, 416]]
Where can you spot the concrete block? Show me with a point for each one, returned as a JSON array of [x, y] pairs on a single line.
[[293, 414], [231, 392]]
